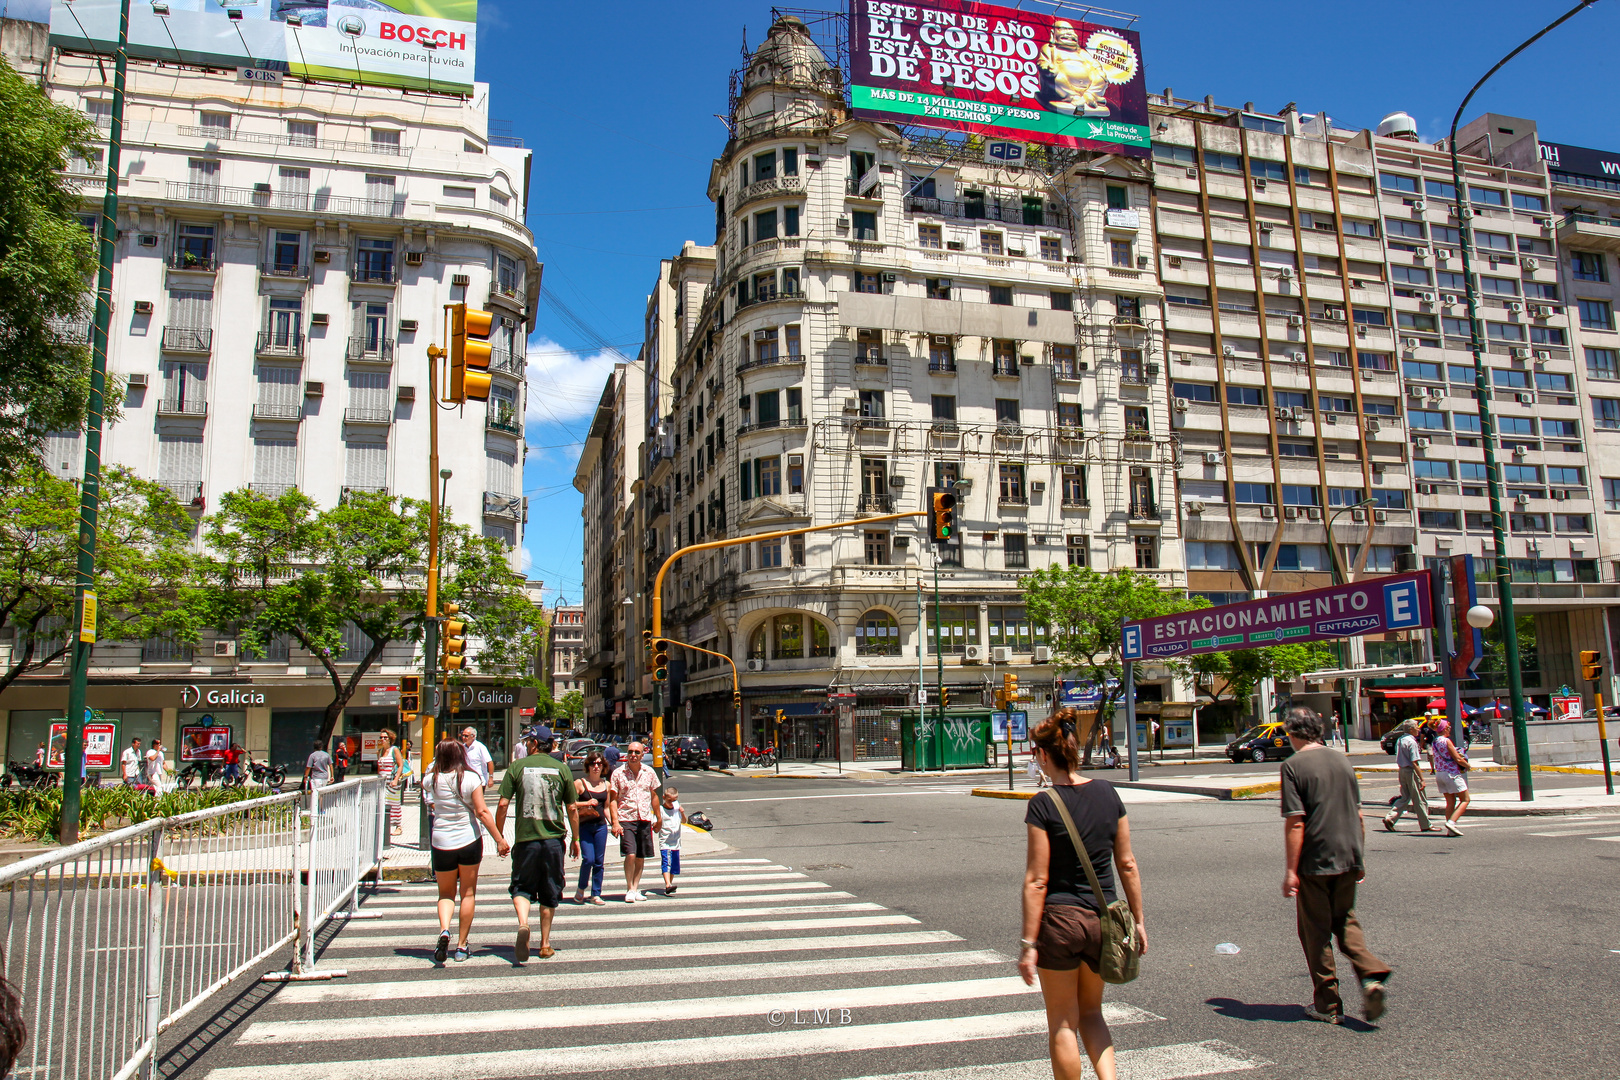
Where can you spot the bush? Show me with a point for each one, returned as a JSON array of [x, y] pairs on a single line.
[[30, 814]]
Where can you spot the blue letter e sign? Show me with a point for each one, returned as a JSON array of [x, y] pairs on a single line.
[[1132, 643], [1401, 605]]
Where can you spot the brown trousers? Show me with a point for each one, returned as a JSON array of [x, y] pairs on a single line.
[[1326, 910]]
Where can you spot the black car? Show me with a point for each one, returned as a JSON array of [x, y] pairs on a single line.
[[686, 752], [1260, 743]]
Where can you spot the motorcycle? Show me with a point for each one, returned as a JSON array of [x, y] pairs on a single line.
[[200, 773], [23, 774], [272, 778]]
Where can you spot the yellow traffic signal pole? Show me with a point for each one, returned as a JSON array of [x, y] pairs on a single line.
[[1592, 671], [658, 593], [430, 643], [736, 685]]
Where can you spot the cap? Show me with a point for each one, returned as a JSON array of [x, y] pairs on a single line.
[[540, 732]]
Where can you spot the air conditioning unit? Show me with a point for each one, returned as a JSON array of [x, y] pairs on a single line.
[[460, 281], [1541, 354], [1286, 273], [1419, 205], [1426, 297], [1036, 487], [1442, 253], [1357, 283], [143, 307], [1518, 352], [1426, 489], [1296, 320], [1174, 261], [407, 326], [224, 648], [1374, 426], [1449, 299], [406, 394], [1411, 342], [1181, 404], [1437, 391], [147, 240], [1191, 171], [1228, 351], [1526, 399], [1139, 470], [1358, 515], [1516, 307], [756, 665], [414, 258], [889, 275], [1522, 500], [766, 335], [1000, 654], [1314, 513], [1290, 513], [1195, 508], [1143, 262], [1380, 517], [941, 339], [1530, 262], [1043, 654], [1212, 457], [1268, 512], [1560, 494], [1297, 357], [1421, 254], [134, 379], [319, 318], [973, 654], [1259, 183], [852, 404], [1336, 314], [1519, 451], [314, 389], [1421, 443], [322, 255]]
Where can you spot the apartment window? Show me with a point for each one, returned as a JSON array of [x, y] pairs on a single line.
[[194, 246], [1596, 314], [1572, 523], [1212, 555], [790, 335], [1504, 331], [937, 288], [1521, 474], [1119, 253], [1398, 182], [1445, 234], [765, 347], [1074, 485], [1004, 357], [1527, 523], [1246, 395], [1510, 380], [868, 283], [1342, 496], [1561, 429], [1546, 335], [1425, 420], [877, 547], [1228, 163], [1051, 249], [795, 403], [765, 166], [770, 553], [1490, 241], [1079, 550], [990, 243], [1147, 552], [1007, 411], [1394, 227], [946, 473], [384, 141], [865, 223], [1001, 294], [767, 411], [275, 464], [1011, 475], [1195, 391], [1062, 300], [1431, 470], [1566, 475], [284, 324], [1252, 494], [1588, 266], [1486, 196], [1603, 363], [1289, 448], [944, 406], [1014, 550], [765, 225], [1068, 414], [1516, 425], [877, 634], [929, 236], [380, 192], [1302, 174], [1301, 495], [1136, 419], [1368, 229], [768, 476], [872, 404], [286, 251], [1063, 361], [374, 328], [1437, 519], [1611, 493], [1411, 275], [796, 550], [374, 260], [1309, 558]]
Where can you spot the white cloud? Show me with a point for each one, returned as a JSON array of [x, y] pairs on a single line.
[[564, 386]]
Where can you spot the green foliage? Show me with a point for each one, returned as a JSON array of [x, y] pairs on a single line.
[[30, 814], [47, 268], [143, 558], [1241, 670], [571, 706]]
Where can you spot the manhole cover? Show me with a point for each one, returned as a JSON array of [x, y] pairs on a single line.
[[829, 866]]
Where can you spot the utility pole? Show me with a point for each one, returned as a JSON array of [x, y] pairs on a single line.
[[90, 489]]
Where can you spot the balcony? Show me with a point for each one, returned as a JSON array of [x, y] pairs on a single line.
[[505, 507], [271, 491], [371, 350], [186, 339], [1588, 231], [72, 331], [285, 271], [1005, 369], [1006, 211], [263, 411], [768, 295], [1142, 511], [505, 421], [1009, 429], [280, 343], [863, 187], [772, 425], [1016, 499], [219, 135], [871, 358], [768, 361], [384, 274], [510, 295], [506, 362], [193, 262], [368, 414], [302, 202], [875, 504], [942, 367], [172, 407], [188, 493], [360, 489]]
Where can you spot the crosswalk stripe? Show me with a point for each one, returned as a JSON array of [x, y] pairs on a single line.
[[1578, 832], [501, 906], [498, 892], [733, 894], [1150, 1063], [1615, 838], [350, 940], [314, 993], [688, 949], [693, 866], [656, 911], [605, 1057], [560, 1017], [653, 875]]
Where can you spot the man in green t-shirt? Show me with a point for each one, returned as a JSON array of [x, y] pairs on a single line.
[[544, 790]]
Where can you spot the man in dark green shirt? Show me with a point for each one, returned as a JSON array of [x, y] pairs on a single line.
[[546, 815], [1323, 837]]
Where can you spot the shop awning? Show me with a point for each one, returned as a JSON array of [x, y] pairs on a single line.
[[1408, 691]]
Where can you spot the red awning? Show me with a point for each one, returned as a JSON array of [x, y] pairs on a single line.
[[1408, 691]]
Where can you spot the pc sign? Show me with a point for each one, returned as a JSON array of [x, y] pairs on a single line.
[[1372, 606]]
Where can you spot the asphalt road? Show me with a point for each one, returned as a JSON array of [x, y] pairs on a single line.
[[1501, 943]]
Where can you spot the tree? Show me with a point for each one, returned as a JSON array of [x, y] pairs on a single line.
[[143, 559], [1238, 672], [1083, 611], [47, 266], [571, 706], [283, 568]]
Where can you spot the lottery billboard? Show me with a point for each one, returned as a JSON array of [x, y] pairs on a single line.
[[419, 44], [999, 72]]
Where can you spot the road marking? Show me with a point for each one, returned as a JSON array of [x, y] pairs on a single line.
[[653, 883], [1582, 831], [494, 906], [605, 1057], [1614, 838], [840, 795], [734, 873], [314, 993], [351, 940], [654, 912], [1151, 1063], [720, 894], [815, 944]]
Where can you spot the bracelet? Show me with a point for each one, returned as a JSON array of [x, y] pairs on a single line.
[[1026, 943]]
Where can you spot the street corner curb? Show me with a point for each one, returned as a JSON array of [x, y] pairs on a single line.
[[1475, 810], [1254, 791], [997, 793]]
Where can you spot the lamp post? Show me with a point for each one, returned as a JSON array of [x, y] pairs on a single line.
[[1348, 694], [1487, 424]]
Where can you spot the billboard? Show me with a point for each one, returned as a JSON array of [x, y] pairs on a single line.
[[1372, 606], [204, 742], [100, 746], [420, 44], [999, 72]]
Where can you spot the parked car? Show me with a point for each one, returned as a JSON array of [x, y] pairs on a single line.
[[686, 752], [1262, 742]]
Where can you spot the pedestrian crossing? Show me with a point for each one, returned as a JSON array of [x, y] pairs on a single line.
[[1601, 827], [751, 963]]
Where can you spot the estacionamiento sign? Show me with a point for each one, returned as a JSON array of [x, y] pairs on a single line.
[[999, 72], [1372, 606], [418, 44]]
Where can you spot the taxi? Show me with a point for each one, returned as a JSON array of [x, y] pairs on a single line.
[[1263, 742]]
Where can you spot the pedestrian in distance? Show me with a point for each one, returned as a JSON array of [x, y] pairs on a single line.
[[478, 756], [635, 817], [458, 846], [547, 814], [233, 763], [157, 768], [1062, 928], [317, 768], [389, 760], [39, 757], [340, 761], [1414, 797], [595, 800], [669, 837], [131, 763], [611, 755], [1450, 768], [1323, 840]]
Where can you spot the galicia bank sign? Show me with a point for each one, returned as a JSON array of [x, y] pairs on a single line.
[[1372, 606], [193, 697]]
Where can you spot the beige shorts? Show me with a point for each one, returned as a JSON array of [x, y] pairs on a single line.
[[1450, 785]]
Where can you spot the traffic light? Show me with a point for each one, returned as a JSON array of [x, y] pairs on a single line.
[[646, 647], [1009, 689], [1591, 665], [942, 515], [660, 658], [410, 694], [945, 697], [781, 718], [736, 701], [452, 640], [470, 353]]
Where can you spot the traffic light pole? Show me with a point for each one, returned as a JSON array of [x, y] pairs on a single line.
[[736, 685], [430, 642]]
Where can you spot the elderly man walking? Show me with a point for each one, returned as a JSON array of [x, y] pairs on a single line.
[[1409, 758], [635, 817], [1323, 840]]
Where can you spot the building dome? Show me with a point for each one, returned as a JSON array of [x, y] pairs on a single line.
[[1398, 125]]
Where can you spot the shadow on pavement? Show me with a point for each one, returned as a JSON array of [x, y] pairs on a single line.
[[1280, 1014]]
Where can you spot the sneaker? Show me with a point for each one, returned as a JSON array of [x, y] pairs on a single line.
[[671, 890], [1389, 824], [460, 954], [1373, 993], [1326, 1018], [1452, 830], [442, 949], [631, 896], [521, 951]]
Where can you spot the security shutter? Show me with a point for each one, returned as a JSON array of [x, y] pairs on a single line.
[[280, 387], [366, 464], [185, 383], [180, 459], [275, 464], [64, 454], [369, 390], [191, 308], [506, 534], [501, 473], [380, 190]]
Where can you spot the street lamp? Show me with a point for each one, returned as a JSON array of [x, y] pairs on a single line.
[[1347, 695], [1487, 424]]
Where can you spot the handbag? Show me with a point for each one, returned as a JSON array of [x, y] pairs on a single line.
[[1120, 958], [1461, 759]]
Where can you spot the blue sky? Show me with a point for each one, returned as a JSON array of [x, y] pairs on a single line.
[[619, 102]]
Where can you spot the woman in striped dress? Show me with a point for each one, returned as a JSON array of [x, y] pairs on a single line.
[[389, 761]]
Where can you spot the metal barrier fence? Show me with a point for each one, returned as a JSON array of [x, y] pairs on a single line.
[[112, 941]]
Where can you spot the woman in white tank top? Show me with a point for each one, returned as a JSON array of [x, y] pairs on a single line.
[[457, 794]]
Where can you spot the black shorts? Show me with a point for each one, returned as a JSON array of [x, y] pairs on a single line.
[[637, 839], [447, 860], [1070, 935], [537, 871]]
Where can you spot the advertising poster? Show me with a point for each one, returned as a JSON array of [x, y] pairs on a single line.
[[418, 44], [998, 726], [100, 746], [369, 741], [204, 742], [1566, 708], [999, 72]]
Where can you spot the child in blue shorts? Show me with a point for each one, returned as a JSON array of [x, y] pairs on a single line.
[[669, 838]]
